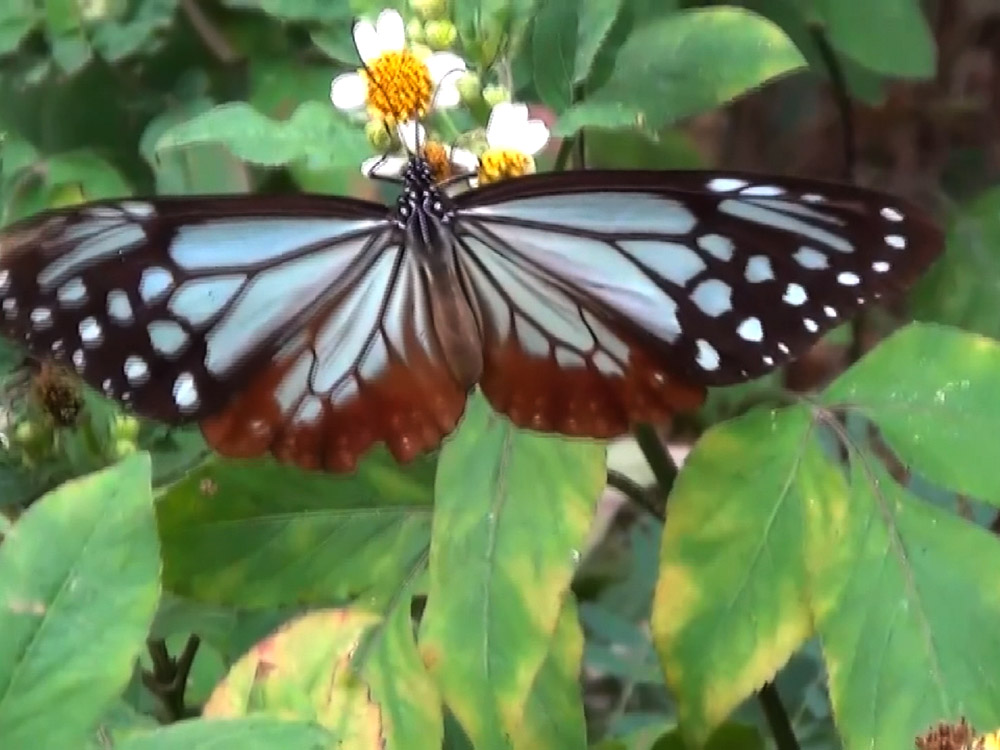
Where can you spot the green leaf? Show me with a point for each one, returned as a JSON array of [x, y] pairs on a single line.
[[512, 510], [196, 169], [960, 288], [303, 671], [554, 51], [257, 534], [903, 610], [671, 149], [686, 63], [727, 737], [889, 36], [95, 176], [795, 18], [17, 19], [730, 605], [251, 733], [315, 133], [596, 19], [400, 683], [78, 590], [116, 39], [553, 713], [932, 392]]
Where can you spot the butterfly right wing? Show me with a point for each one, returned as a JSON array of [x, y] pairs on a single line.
[[267, 319]]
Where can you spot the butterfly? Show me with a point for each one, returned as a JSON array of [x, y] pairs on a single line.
[[581, 303]]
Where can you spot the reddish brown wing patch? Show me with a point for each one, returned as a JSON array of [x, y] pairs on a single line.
[[541, 394], [411, 407]]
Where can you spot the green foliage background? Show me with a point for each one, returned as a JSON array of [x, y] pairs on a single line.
[[832, 545]]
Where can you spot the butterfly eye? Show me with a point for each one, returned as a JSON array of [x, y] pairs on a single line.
[[581, 303]]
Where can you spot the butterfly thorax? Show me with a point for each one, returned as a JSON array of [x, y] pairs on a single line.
[[424, 214]]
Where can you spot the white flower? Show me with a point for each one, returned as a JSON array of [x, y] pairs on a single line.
[[395, 84], [512, 140]]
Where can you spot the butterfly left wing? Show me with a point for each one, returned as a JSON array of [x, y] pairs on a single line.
[[263, 318], [607, 298]]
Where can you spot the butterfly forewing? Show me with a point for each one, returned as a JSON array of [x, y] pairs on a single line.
[[624, 292]]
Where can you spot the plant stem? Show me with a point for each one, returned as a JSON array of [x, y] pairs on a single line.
[[663, 466], [777, 717]]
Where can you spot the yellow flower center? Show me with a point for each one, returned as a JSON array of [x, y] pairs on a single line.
[[500, 164], [399, 86], [437, 158]]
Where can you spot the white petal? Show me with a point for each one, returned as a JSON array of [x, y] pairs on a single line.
[[391, 31], [366, 40], [444, 65], [348, 91], [411, 133], [506, 119], [383, 166], [531, 137], [446, 94], [464, 160]]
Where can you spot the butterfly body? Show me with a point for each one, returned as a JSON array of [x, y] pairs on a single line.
[[580, 303]]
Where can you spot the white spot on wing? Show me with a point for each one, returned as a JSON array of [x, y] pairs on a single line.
[[795, 295], [707, 357], [810, 325], [41, 318], [79, 360], [90, 332], [136, 370], [750, 330], [763, 191], [717, 246], [4, 281], [847, 278], [119, 308], [891, 214], [569, 360], [759, 269], [73, 293], [811, 258], [896, 241], [10, 308], [167, 337], [713, 297], [155, 282], [725, 184], [185, 392], [830, 312], [880, 266]]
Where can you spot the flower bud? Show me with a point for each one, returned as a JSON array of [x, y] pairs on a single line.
[[493, 95], [126, 427], [415, 31], [440, 34], [470, 88], [382, 139], [429, 9], [123, 448]]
